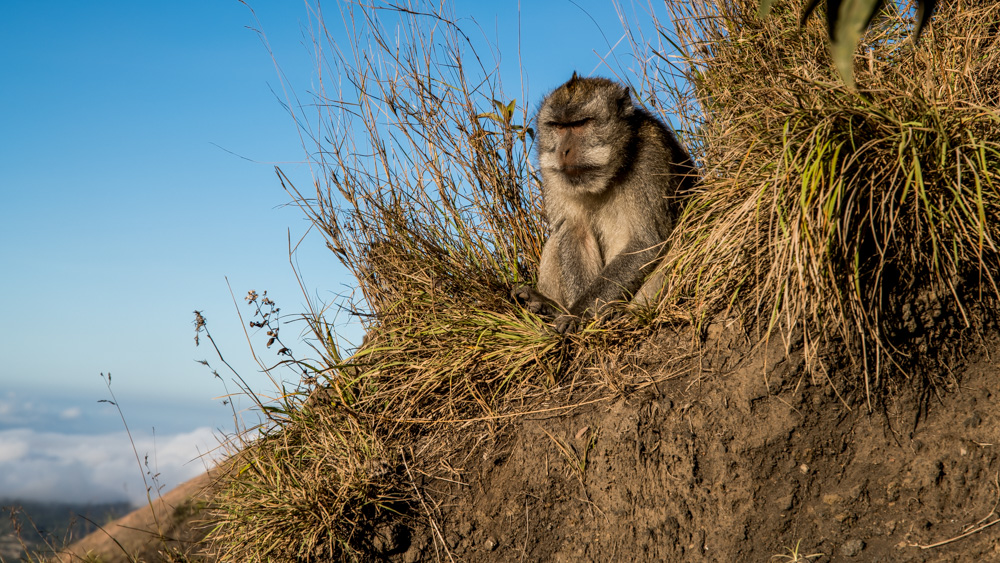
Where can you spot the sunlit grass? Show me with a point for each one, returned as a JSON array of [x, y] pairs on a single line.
[[824, 212]]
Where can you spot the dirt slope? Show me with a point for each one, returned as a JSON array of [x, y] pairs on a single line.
[[740, 459], [173, 534]]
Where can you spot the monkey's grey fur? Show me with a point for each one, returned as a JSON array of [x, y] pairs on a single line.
[[610, 176]]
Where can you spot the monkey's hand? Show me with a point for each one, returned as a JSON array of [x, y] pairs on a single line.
[[566, 323], [534, 301]]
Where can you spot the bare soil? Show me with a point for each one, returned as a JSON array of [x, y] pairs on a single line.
[[744, 457]]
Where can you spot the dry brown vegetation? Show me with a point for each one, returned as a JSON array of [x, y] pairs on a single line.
[[825, 216], [826, 212]]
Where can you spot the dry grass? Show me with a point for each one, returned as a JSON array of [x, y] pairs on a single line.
[[827, 214], [309, 492]]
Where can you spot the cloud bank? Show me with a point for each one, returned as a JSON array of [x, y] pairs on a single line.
[[50, 466]]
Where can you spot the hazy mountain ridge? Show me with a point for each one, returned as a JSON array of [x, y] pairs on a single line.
[[41, 526]]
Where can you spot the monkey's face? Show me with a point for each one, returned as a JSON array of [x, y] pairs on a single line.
[[583, 129]]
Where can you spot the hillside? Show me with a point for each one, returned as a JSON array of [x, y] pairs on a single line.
[[170, 530], [714, 452]]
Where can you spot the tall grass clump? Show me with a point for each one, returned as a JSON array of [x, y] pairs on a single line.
[[834, 217], [424, 192]]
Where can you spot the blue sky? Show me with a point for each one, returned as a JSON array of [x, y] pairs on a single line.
[[138, 145]]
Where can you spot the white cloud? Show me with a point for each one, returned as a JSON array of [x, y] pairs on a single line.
[[48, 466], [71, 413], [11, 450]]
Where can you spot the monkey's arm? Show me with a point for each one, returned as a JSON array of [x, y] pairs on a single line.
[[620, 278]]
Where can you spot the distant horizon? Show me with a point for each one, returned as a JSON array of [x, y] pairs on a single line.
[[13, 501], [96, 468]]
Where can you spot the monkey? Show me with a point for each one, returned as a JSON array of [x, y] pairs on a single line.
[[611, 177]]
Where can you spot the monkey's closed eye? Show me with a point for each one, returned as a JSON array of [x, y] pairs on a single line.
[[569, 124]]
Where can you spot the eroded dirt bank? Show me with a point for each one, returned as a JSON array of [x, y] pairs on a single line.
[[741, 457]]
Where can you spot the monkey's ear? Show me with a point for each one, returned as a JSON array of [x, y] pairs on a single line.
[[625, 99]]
